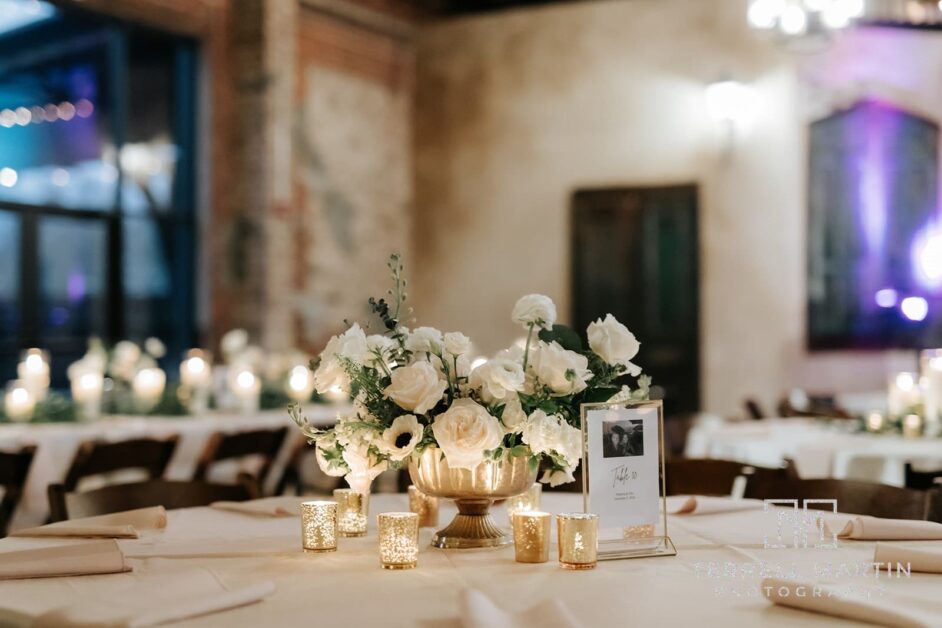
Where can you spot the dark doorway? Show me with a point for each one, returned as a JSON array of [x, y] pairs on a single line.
[[635, 255]]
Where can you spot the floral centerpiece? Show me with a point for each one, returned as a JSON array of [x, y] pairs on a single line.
[[414, 392]]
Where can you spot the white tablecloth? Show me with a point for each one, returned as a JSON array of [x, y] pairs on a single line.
[[701, 586], [57, 443], [819, 450]]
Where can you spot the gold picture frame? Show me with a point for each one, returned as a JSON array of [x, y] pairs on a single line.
[[618, 541]]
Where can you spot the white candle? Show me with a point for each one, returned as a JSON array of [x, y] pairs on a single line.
[[912, 426], [34, 373], [148, 387], [19, 402], [902, 393], [87, 388], [246, 388], [196, 378], [300, 383], [930, 369], [874, 422]]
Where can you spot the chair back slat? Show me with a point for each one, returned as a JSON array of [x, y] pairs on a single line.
[[97, 457], [263, 443], [922, 480], [853, 497], [14, 467], [707, 476]]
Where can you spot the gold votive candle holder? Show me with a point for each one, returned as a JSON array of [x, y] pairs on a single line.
[[578, 540], [425, 506], [527, 500], [531, 536], [398, 539], [352, 511], [319, 526]]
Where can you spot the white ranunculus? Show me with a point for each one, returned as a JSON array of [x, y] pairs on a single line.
[[512, 353], [535, 309], [416, 387], [233, 342], [465, 431], [155, 347], [612, 342], [497, 379], [379, 344], [400, 439], [456, 343], [570, 444], [425, 340], [542, 432], [513, 417], [555, 477], [564, 372]]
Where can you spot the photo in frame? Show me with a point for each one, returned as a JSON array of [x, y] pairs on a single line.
[[623, 477]]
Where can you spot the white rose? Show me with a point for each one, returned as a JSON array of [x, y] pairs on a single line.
[[564, 372], [497, 379], [612, 342], [457, 343], [542, 432], [570, 444], [555, 477], [416, 387], [155, 347], [233, 342], [465, 431], [399, 440], [379, 344], [535, 309], [513, 417], [330, 373], [425, 340], [513, 353]]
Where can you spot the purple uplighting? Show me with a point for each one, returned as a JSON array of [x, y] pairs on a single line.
[[76, 286], [914, 308], [887, 297], [926, 254]]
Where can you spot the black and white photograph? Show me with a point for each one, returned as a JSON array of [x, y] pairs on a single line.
[[622, 439]]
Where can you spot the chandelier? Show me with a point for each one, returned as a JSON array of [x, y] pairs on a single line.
[[799, 18]]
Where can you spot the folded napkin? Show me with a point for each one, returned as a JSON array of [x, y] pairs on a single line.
[[704, 505], [830, 599], [924, 560], [269, 507], [118, 525], [76, 559], [478, 611], [874, 529], [156, 599]]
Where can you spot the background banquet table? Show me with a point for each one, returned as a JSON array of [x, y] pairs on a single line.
[[819, 450], [57, 443], [349, 588]]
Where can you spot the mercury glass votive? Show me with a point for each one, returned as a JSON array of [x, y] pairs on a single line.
[[319, 526], [528, 500], [425, 506], [578, 540], [531, 536], [398, 539], [353, 508]]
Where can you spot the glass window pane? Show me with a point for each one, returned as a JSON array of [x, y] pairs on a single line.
[[147, 284], [73, 277], [9, 276]]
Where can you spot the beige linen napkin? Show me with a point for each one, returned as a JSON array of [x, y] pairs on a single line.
[[875, 529], [478, 611], [705, 505], [75, 559], [268, 507], [918, 559], [884, 610], [155, 599], [118, 525]]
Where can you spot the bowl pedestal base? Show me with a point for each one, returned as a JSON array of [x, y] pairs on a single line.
[[472, 527]]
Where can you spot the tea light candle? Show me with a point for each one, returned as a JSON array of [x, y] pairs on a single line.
[[902, 393], [33, 371], [148, 387], [87, 387], [246, 388], [398, 539], [875, 422], [19, 402], [319, 526], [424, 506], [578, 540], [353, 508], [531, 536], [912, 426], [196, 377], [528, 500], [300, 383]]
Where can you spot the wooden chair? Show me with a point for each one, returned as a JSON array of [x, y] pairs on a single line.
[[754, 410], [853, 497], [14, 467], [98, 457], [706, 476], [922, 480], [262, 443], [119, 497]]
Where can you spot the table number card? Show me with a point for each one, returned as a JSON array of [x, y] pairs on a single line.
[[623, 478]]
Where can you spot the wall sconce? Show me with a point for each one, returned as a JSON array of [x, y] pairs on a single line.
[[732, 105]]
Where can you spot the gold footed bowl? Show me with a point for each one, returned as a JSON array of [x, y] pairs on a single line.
[[473, 491]]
